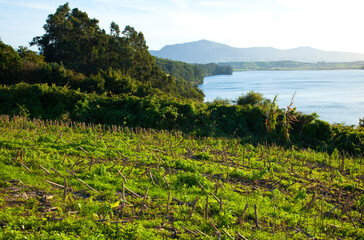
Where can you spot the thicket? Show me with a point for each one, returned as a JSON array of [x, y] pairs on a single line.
[[77, 53], [193, 73], [181, 70], [250, 123], [215, 69], [252, 98]]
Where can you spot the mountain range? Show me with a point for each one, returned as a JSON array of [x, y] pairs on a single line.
[[204, 51]]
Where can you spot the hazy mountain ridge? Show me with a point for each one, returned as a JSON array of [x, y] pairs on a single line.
[[205, 51]]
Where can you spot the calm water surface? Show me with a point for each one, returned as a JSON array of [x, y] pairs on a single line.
[[336, 95]]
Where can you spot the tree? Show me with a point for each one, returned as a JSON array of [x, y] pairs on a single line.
[[11, 65], [114, 29], [251, 98], [76, 42], [72, 38], [29, 56]]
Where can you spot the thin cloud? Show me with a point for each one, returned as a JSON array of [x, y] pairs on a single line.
[[180, 4], [214, 3], [30, 5], [323, 24]]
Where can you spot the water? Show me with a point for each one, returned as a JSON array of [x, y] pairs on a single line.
[[337, 96]]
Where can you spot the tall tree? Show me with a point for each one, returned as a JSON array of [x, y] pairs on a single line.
[[72, 38], [10, 64], [75, 40]]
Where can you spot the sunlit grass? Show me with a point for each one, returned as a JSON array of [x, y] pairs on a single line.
[[297, 193]]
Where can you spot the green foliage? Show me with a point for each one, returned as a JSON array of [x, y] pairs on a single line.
[[250, 123], [225, 219], [283, 185], [301, 195], [215, 69], [105, 81], [251, 98], [30, 57], [191, 179], [193, 73], [10, 64], [72, 38], [93, 60], [189, 72], [203, 156]]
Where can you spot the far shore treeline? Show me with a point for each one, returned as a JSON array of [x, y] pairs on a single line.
[[85, 74]]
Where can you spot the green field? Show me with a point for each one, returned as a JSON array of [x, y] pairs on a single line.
[[66, 180]]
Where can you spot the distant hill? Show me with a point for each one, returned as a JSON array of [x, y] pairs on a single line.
[[205, 51]]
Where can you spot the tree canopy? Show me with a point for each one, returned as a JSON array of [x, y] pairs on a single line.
[[75, 41], [251, 98], [10, 63]]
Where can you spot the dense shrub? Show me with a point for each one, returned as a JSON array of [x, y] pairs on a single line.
[[10, 64], [247, 122], [251, 98]]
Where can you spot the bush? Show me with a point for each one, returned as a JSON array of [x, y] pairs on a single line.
[[11, 65], [251, 98]]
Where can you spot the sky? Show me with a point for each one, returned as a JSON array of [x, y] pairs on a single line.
[[332, 25]]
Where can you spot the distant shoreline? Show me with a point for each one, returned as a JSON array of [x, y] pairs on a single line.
[[296, 69], [292, 65]]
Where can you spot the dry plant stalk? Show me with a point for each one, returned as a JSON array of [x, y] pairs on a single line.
[[204, 234], [143, 202], [169, 198], [16, 156], [189, 231], [110, 168], [25, 167], [213, 225], [138, 196], [86, 185], [56, 171], [83, 149], [217, 199], [122, 176], [123, 196], [227, 233], [65, 189], [91, 162], [125, 157], [194, 206], [151, 178], [146, 171], [132, 168], [202, 187], [256, 216], [220, 204], [240, 219], [240, 235], [54, 184], [60, 135], [207, 207], [165, 179], [44, 169]]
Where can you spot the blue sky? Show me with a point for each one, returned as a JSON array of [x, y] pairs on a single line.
[[323, 24]]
